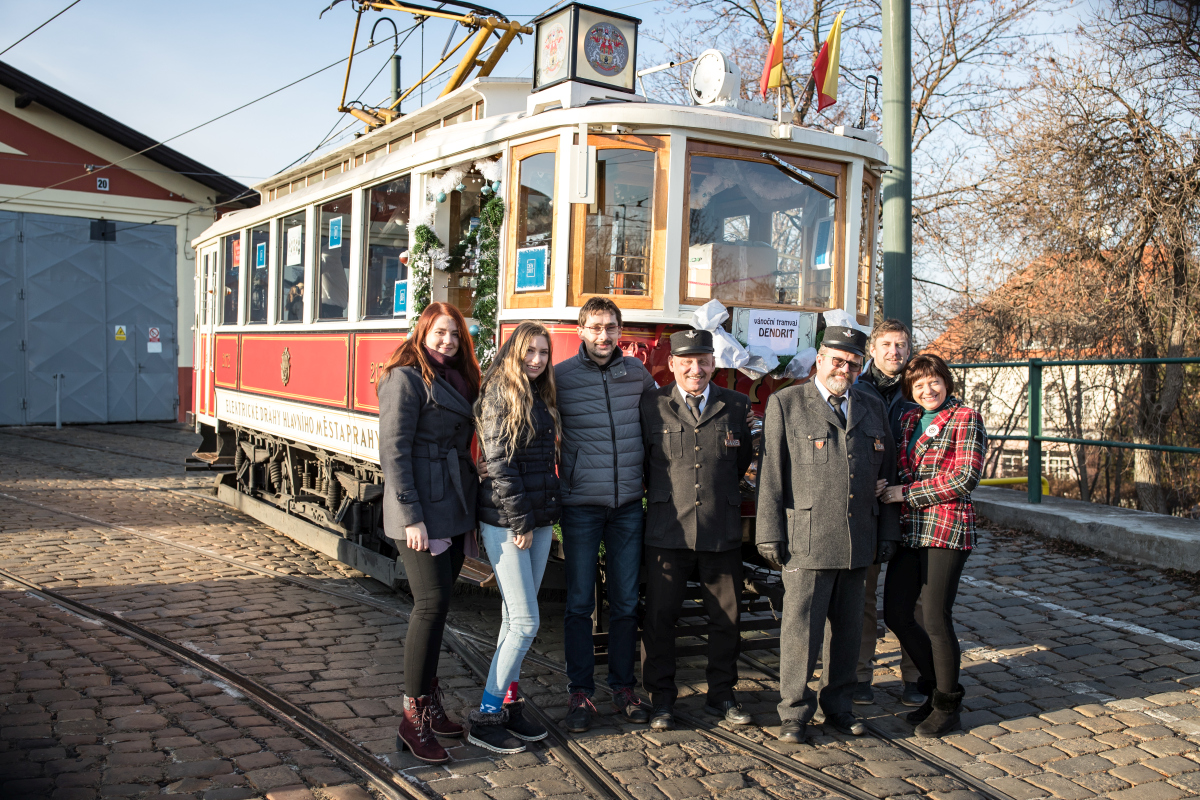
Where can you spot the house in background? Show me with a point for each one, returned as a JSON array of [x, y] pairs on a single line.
[[96, 274]]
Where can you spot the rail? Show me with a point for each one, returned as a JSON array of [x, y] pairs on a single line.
[[1034, 436]]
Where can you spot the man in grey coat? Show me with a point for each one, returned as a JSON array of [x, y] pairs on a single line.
[[825, 444], [599, 393]]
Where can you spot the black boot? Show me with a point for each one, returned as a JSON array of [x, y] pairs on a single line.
[[944, 717], [488, 731], [521, 727], [921, 714]]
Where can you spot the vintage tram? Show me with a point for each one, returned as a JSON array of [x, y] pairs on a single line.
[[662, 207]]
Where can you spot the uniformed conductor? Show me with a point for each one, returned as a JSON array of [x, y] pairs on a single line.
[[697, 448], [825, 444]]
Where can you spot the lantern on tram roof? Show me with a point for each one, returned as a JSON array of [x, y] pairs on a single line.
[[585, 44]]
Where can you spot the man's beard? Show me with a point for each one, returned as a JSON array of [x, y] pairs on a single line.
[[836, 384]]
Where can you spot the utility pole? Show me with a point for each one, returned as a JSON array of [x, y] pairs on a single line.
[[897, 140]]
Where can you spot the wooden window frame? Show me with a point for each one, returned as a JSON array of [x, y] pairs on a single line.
[[661, 147], [543, 299], [836, 169], [872, 181]]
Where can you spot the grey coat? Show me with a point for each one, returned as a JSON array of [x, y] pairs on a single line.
[[425, 453], [601, 429], [816, 488], [694, 469]]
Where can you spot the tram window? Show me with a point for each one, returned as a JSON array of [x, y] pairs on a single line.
[[535, 208], [758, 236], [617, 230], [229, 284], [291, 268], [204, 300], [466, 209], [260, 238], [866, 251], [333, 261], [387, 246]]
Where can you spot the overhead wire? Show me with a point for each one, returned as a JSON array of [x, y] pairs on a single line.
[[39, 27], [189, 130]]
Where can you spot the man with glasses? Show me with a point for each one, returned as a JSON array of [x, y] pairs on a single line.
[[825, 444], [599, 397]]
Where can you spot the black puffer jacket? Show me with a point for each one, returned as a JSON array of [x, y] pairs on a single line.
[[520, 491]]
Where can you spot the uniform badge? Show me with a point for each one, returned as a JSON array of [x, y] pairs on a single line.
[[690, 334], [819, 444], [878, 444], [730, 441], [932, 431]]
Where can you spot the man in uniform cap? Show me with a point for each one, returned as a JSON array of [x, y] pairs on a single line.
[[697, 439], [825, 444]]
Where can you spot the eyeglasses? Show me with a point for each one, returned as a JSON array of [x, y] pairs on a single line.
[[851, 366], [596, 330]]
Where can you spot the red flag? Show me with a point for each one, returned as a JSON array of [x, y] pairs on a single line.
[[772, 75], [825, 70]]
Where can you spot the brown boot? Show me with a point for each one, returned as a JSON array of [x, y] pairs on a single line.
[[442, 725], [416, 732]]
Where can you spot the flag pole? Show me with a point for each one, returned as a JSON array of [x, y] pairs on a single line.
[[779, 104]]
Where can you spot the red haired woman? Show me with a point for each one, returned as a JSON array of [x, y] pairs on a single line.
[[942, 445], [426, 423]]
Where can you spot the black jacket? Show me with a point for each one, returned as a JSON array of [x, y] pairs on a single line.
[[694, 469], [895, 405], [520, 491], [602, 435], [425, 452]]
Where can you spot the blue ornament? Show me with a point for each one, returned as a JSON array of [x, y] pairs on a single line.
[[441, 198], [486, 190], [496, 186], [474, 329], [459, 188]]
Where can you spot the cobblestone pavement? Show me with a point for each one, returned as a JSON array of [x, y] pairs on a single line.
[[1080, 672]]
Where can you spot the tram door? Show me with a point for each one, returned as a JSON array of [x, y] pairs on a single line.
[[205, 322]]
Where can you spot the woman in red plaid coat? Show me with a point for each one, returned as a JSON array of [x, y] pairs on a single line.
[[940, 459]]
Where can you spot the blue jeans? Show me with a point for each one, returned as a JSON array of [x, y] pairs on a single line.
[[519, 576], [584, 527]]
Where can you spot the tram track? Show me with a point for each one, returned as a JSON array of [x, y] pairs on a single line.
[[389, 782], [582, 765], [465, 644]]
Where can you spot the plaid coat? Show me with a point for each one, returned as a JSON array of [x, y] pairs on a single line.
[[939, 476]]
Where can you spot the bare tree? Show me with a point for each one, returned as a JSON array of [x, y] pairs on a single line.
[[1101, 168]]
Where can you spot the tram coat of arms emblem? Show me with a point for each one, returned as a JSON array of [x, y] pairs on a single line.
[[554, 53], [605, 48], [285, 367]]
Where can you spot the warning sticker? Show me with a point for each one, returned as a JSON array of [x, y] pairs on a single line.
[[154, 341], [120, 333]]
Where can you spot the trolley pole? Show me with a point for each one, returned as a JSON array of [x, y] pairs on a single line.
[[897, 140], [396, 85]]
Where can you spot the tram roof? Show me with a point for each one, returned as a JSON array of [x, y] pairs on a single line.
[[506, 97]]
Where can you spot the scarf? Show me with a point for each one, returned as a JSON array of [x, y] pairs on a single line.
[[887, 385], [449, 368]]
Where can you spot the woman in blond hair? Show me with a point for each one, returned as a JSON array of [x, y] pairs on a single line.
[[517, 506]]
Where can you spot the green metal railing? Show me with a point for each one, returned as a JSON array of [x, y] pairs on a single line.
[[1034, 435]]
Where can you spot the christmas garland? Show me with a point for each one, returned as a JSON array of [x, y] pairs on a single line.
[[427, 254], [487, 280]]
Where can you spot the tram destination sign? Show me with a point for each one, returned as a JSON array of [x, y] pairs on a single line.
[[784, 333]]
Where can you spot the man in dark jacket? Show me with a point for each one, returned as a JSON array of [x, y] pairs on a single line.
[[599, 392], [890, 347], [825, 444], [697, 449]]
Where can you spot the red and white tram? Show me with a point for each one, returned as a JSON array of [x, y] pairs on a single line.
[[662, 207]]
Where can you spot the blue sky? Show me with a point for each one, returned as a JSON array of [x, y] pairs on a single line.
[[162, 68]]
